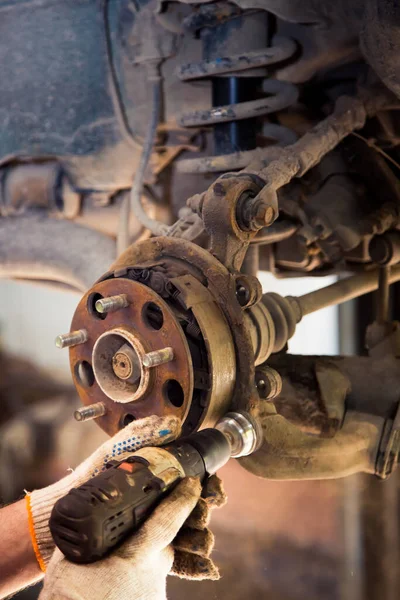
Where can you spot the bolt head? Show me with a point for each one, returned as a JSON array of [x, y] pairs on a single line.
[[269, 215], [219, 189], [242, 295], [268, 383], [264, 215]]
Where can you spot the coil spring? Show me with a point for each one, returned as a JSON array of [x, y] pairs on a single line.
[[281, 95]]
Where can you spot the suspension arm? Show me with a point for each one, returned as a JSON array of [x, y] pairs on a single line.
[[350, 114], [289, 453]]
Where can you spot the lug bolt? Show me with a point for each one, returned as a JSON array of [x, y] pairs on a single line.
[[66, 340], [93, 411], [158, 357], [111, 304]]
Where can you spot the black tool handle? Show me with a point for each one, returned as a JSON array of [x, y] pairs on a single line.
[[94, 518]]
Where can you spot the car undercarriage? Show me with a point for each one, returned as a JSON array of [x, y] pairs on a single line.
[[156, 156]]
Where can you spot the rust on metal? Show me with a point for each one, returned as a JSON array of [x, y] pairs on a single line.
[[222, 285], [281, 49], [133, 318]]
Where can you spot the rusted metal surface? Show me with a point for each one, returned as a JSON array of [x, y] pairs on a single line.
[[237, 47], [251, 261], [374, 384], [221, 284], [105, 358], [351, 403], [314, 392], [350, 114], [268, 382], [219, 210], [278, 232], [336, 219], [210, 15], [219, 343], [131, 318], [295, 160], [228, 162], [282, 95], [289, 453], [173, 141], [281, 49]]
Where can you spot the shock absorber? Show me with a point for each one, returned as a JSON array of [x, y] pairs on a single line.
[[236, 55]]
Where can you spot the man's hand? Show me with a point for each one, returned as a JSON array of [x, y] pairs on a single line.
[[152, 431], [25, 525], [138, 569]]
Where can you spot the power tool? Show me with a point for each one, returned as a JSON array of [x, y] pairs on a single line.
[[92, 519]]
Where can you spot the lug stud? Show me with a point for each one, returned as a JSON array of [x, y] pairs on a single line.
[[93, 411], [66, 340], [111, 304], [158, 357]]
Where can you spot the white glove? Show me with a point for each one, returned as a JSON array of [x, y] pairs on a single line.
[[138, 569], [152, 431]]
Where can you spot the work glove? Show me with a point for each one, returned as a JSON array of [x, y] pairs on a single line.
[[194, 543], [136, 570], [152, 431]]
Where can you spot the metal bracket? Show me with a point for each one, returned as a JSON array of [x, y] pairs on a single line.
[[219, 211]]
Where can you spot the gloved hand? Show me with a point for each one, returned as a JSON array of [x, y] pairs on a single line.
[[195, 542], [138, 569], [152, 431]]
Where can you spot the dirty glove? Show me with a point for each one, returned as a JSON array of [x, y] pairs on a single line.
[[152, 431], [195, 542], [136, 570]]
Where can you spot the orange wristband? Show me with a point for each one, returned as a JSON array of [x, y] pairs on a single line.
[[33, 534]]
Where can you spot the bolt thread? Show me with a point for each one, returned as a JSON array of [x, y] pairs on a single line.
[[66, 340], [93, 411], [158, 357], [112, 303]]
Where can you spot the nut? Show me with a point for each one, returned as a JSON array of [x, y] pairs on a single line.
[[269, 215], [268, 382], [264, 215], [126, 364]]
